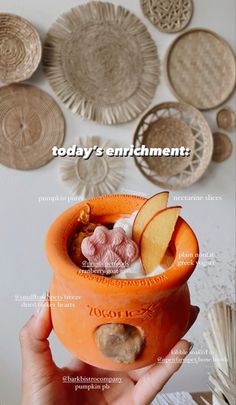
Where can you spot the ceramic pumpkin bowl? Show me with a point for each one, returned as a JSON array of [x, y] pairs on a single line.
[[157, 307]]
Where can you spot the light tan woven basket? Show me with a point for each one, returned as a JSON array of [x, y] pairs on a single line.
[[98, 175], [20, 49], [168, 16], [31, 123], [200, 69], [102, 62], [172, 125]]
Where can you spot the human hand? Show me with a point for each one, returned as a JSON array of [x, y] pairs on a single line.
[[42, 380]]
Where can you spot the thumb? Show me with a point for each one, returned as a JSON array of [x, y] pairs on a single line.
[[35, 350], [157, 376]]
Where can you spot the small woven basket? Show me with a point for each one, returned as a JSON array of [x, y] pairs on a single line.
[[223, 147], [168, 16], [226, 118]]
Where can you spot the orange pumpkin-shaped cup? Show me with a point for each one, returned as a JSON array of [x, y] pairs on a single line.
[[157, 307]]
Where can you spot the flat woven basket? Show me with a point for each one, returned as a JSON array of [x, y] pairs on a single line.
[[168, 16], [226, 118], [200, 69], [20, 49], [98, 175], [172, 125], [102, 62], [31, 123]]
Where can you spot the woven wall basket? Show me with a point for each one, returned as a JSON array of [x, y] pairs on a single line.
[[223, 147], [95, 176], [168, 16], [172, 125], [31, 123], [102, 62], [201, 69], [20, 49], [226, 118]]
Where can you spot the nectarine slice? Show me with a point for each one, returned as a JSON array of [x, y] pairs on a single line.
[[147, 211], [156, 237]]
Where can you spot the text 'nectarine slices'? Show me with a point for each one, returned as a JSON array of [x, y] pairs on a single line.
[[150, 208], [156, 237]]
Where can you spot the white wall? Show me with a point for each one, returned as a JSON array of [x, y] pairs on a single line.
[[24, 221]]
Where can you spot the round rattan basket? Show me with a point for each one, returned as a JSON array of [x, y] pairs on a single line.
[[168, 16], [102, 62], [226, 118], [20, 49], [223, 147], [172, 125], [200, 69], [31, 123]]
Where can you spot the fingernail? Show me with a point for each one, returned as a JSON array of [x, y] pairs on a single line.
[[191, 344]]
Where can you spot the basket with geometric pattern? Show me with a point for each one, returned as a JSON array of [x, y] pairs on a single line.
[[173, 125]]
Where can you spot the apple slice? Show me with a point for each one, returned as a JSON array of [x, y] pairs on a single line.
[[147, 211], [156, 237]]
